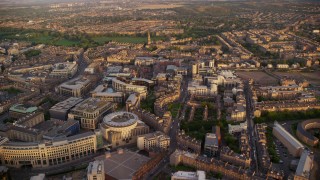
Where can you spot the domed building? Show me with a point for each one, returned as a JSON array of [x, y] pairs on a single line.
[[122, 128]]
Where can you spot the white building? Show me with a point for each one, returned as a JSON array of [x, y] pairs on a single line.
[[201, 90], [237, 128], [153, 140], [184, 175], [96, 170], [282, 66], [66, 69], [106, 93], [76, 87]]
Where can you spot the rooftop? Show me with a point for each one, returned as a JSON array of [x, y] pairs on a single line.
[[120, 119], [305, 164], [211, 140], [90, 105], [122, 165], [22, 108], [200, 175], [66, 104], [285, 134], [76, 83]]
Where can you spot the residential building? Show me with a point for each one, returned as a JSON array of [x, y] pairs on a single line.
[[304, 135], [184, 175], [227, 155], [237, 128], [154, 140], [95, 171], [132, 102], [211, 145]]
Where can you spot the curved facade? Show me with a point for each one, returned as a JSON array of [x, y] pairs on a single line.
[[18, 154], [122, 127], [306, 136], [129, 88], [122, 122]]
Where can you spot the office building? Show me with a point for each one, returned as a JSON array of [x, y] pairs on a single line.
[[61, 109], [121, 86], [44, 154], [106, 93], [64, 70], [122, 128], [77, 87], [294, 147], [116, 164], [20, 110], [90, 111]]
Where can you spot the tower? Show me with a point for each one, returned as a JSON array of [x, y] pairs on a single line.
[[149, 38]]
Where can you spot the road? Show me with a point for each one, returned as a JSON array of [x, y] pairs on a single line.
[[251, 131], [175, 127]]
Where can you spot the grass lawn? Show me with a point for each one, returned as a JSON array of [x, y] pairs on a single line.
[[124, 39], [181, 167], [64, 42], [12, 90], [135, 40]]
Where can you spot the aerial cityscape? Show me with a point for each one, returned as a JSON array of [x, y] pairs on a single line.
[[159, 89]]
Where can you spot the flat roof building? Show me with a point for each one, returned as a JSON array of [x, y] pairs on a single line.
[[20, 110], [66, 69], [122, 164], [237, 128], [90, 111], [121, 86], [291, 143], [153, 140], [305, 165], [211, 145], [61, 109], [184, 175], [104, 92], [75, 87]]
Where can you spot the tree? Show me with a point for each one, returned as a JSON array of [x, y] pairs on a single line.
[[2, 68]]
